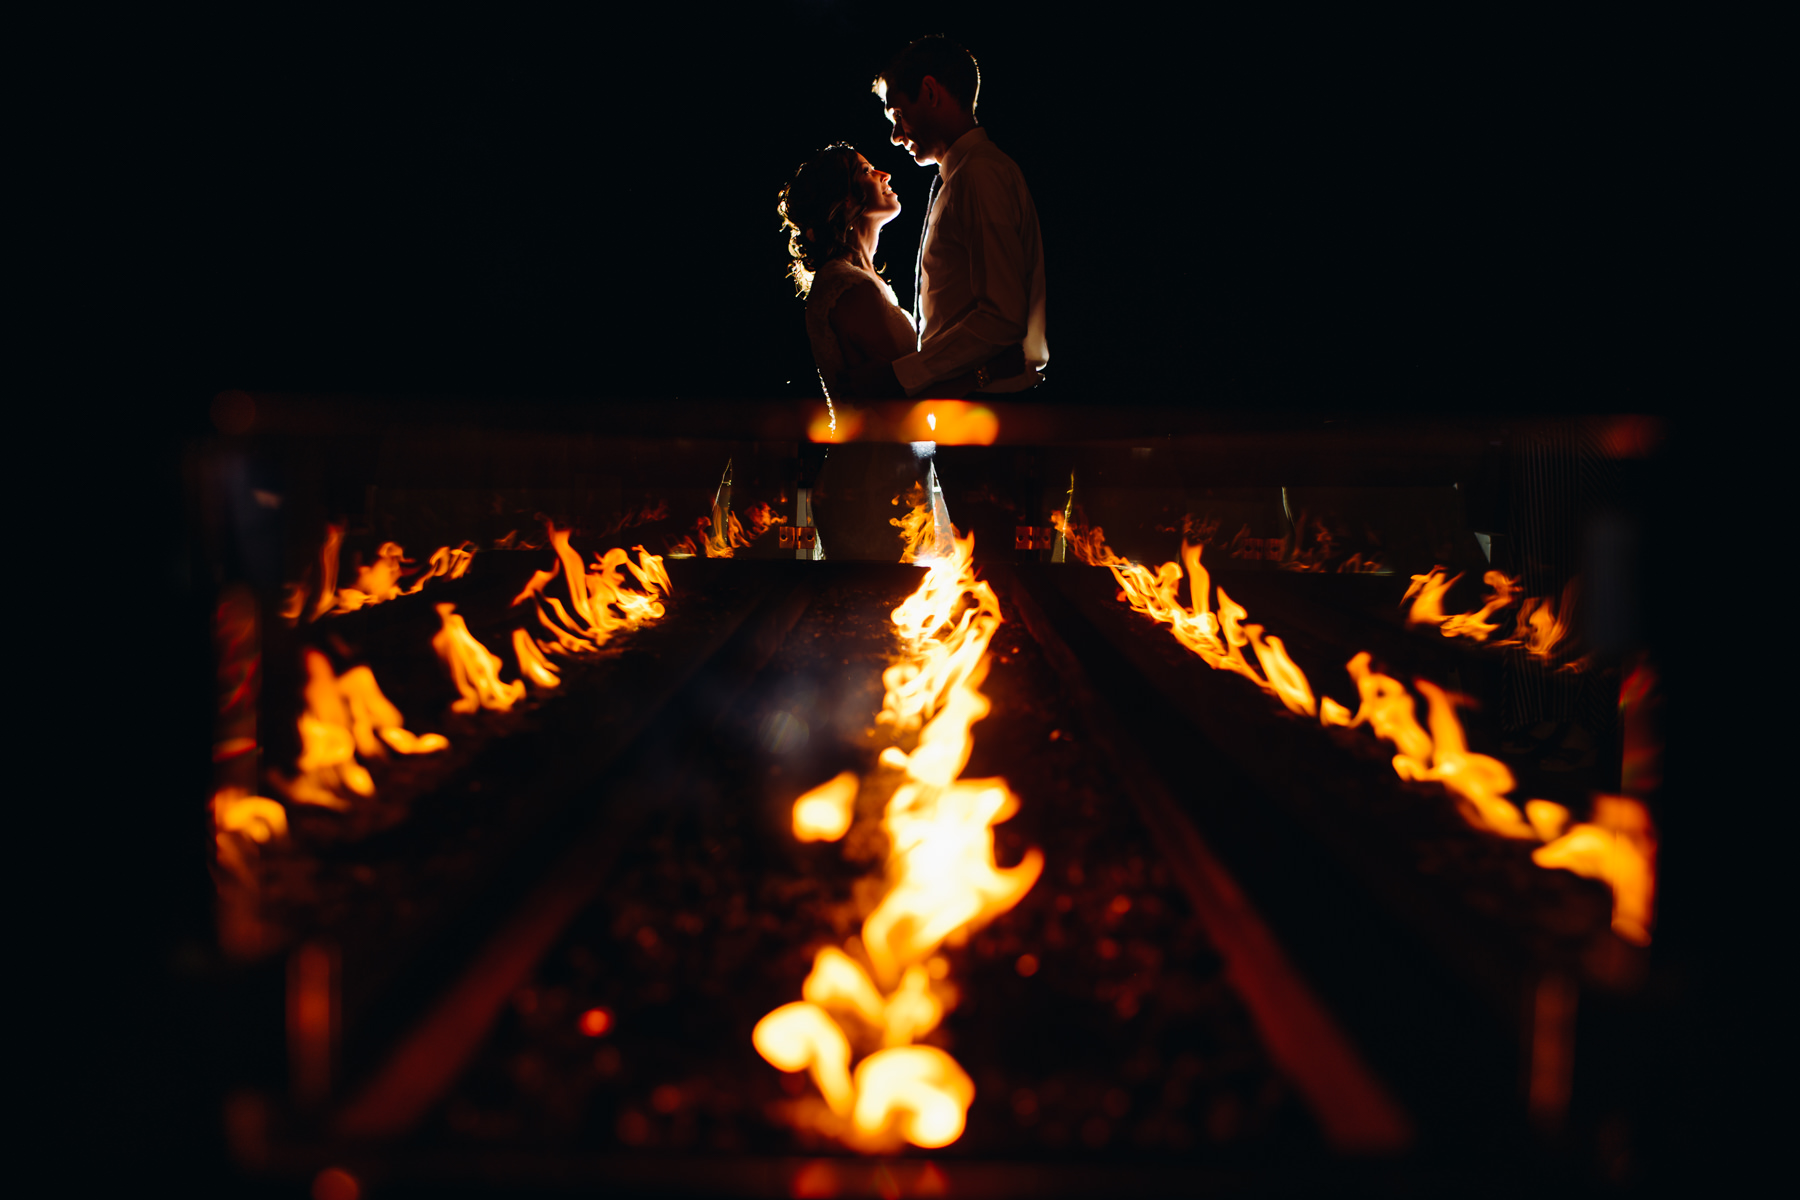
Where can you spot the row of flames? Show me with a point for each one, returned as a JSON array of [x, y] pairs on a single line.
[[1538, 628], [1617, 845], [348, 722], [883, 991]]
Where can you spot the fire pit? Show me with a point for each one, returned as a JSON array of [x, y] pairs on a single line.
[[556, 834]]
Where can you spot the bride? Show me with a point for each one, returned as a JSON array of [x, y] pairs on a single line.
[[833, 211]]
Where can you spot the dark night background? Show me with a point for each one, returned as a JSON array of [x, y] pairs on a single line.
[[1353, 214], [1350, 213]]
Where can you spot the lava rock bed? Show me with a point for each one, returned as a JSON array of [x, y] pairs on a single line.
[[1094, 1018]]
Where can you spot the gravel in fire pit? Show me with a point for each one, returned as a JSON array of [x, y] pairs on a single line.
[[1094, 1018]]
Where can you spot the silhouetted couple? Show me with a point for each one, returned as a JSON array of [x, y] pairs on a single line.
[[977, 320]]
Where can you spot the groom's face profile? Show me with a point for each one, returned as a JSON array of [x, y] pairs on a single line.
[[913, 119]]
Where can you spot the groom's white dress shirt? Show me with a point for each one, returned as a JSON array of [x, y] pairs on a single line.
[[983, 267]]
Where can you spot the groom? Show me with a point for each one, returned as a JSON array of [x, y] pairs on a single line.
[[978, 297]]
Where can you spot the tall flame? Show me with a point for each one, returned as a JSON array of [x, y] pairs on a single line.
[[347, 716], [473, 669], [943, 880]]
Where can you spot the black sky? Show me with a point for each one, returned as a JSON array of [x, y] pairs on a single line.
[[1353, 212]]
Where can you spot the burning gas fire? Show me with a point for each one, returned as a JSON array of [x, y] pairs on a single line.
[[346, 716], [915, 525], [824, 814], [889, 988], [1617, 846], [376, 582], [474, 670], [348, 722], [242, 824], [1427, 594]]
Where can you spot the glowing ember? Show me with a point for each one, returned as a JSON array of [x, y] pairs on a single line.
[[823, 814], [1618, 847], [943, 882], [474, 671]]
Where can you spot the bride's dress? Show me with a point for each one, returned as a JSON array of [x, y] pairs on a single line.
[[830, 282], [861, 481]]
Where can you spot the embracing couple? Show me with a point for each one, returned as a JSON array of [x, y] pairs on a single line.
[[977, 320]]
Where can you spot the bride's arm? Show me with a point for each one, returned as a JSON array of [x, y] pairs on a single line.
[[860, 320], [871, 343]]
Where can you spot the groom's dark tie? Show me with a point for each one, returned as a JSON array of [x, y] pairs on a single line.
[[919, 263]]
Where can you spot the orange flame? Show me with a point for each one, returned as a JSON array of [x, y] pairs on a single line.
[[1540, 630], [916, 526], [950, 423], [1617, 847], [1388, 708], [1480, 781], [295, 606], [802, 1037], [823, 814], [596, 596], [346, 716], [920, 1089], [943, 880], [725, 543], [539, 580], [1287, 680], [762, 519], [1428, 607], [473, 669], [445, 563], [1475, 624], [377, 582], [532, 663], [243, 823], [1429, 588]]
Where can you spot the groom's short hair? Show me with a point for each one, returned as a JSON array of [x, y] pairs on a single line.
[[937, 56]]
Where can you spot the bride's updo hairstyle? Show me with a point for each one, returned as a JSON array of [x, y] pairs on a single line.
[[818, 208]]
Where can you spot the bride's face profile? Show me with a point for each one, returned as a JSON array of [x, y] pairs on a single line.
[[878, 199]]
